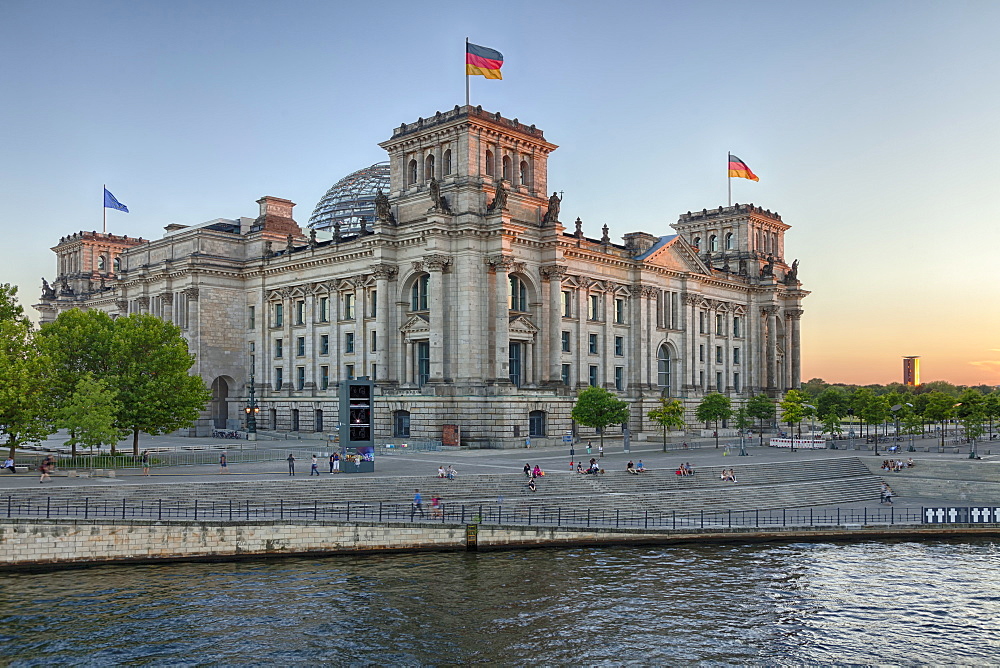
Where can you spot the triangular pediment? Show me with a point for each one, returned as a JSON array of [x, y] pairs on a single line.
[[415, 324], [522, 325], [678, 255]]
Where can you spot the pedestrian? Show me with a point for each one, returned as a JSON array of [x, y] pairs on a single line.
[[600, 451], [418, 504], [291, 464], [223, 465], [314, 467], [144, 458], [435, 506], [588, 447], [45, 467], [336, 462]]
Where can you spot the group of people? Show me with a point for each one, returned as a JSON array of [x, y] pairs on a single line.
[[685, 469], [728, 474], [635, 468], [536, 472], [896, 465], [448, 473], [593, 467]]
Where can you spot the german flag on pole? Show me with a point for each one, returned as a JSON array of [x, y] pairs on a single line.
[[483, 60], [739, 169]]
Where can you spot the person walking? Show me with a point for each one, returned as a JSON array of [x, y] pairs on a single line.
[[144, 458], [418, 505], [588, 447], [332, 460], [314, 467], [223, 464], [291, 464], [600, 451], [45, 467]]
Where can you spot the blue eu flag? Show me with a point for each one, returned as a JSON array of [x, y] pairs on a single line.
[[111, 203]]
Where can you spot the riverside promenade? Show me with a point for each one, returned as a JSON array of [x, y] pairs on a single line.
[[257, 509]]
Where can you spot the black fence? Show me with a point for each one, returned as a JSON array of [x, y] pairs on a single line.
[[454, 513]]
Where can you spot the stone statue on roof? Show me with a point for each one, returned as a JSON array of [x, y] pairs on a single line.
[[499, 202], [383, 213], [552, 213]]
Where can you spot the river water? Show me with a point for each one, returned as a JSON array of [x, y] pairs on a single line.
[[900, 603]]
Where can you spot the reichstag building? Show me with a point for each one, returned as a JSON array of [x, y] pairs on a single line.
[[448, 277]]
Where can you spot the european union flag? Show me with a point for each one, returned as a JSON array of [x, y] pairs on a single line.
[[111, 203]]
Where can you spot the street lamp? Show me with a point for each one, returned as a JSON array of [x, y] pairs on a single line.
[[895, 413], [812, 422], [850, 414], [252, 409], [911, 448]]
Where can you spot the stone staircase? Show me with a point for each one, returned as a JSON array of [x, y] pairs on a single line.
[[965, 480], [761, 486]]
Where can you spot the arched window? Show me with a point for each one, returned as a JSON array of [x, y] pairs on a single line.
[[447, 162], [697, 242], [418, 294], [663, 364], [102, 263], [117, 265], [729, 241], [525, 178], [489, 163], [428, 168], [507, 168], [713, 243], [517, 295], [412, 172], [536, 424], [401, 424]]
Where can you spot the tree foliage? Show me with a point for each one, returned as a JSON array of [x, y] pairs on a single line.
[[89, 414], [793, 408], [597, 408], [669, 415], [714, 407]]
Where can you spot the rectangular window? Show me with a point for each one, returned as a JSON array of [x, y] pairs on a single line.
[[737, 326], [324, 344], [701, 322], [279, 348], [349, 372], [619, 346], [374, 375], [718, 381], [567, 304], [736, 382], [252, 317], [374, 302], [565, 374], [736, 355], [514, 361], [418, 294], [300, 346], [300, 377], [595, 307], [701, 379], [593, 343], [619, 378], [279, 315], [720, 324], [593, 375], [278, 381], [349, 342], [701, 353], [348, 307], [718, 354], [536, 424], [565, 342], [620, 311], [374, 341], [423, 362], [401, 424], [300, 312], [324, 309], [324, 377]]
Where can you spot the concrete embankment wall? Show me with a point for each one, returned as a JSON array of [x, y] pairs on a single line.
[[59, 543]]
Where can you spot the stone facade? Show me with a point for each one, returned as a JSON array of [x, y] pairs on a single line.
[[466, 299]]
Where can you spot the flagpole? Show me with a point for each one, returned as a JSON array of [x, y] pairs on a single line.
[[466, 71], [105, 209], [729, 179]]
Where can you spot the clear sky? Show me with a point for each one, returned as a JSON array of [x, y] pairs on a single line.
[[872, 126]]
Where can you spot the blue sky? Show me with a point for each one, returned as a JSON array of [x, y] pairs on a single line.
[[870, 124]]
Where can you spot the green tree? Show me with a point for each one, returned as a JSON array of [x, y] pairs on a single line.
[[832, 401], [971, 411], [714, 407], [991, 407], [79, 343], [89, 414], [25, 375], [761, 408], [939, 408], [831, 424], [597, 408], [794, 410], [669, 415]]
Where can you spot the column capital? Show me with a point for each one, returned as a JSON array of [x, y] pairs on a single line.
[[770, 310], [437, 262], [192, 294], [121, 305], [167, 298], [384, 271], [552, 272], [143, 302], [793, 314], [690, 299], [500, 262]]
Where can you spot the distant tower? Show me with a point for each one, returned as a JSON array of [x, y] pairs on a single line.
[[911, 370]]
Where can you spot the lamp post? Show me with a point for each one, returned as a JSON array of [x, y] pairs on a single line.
[[895, 413], [812, 422], [911, 448], [850, 413], [252, 409]]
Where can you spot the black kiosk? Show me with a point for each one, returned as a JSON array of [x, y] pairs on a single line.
[[357, 437]]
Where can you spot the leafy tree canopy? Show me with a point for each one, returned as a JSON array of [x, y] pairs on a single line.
[[596, 407]]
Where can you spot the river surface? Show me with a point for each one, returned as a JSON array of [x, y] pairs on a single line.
[[899, 603]]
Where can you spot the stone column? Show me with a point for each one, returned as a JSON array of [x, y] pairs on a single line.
[[383, 274], [771, 349], [582, 340], [143, 303], [796, 348], [691, 310], [633, 353], [608, 354], [647, 304], [554, 274], [436, 265], [500, 265], [167, 299]]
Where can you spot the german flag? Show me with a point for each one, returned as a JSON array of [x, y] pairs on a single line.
[[739, 169], [483, 60]]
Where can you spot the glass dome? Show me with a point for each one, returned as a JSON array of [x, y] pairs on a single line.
[[351, 199]]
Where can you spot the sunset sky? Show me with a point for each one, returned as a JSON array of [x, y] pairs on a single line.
[[872, 127]]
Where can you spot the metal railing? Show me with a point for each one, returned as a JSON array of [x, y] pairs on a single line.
[[346, 511]]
